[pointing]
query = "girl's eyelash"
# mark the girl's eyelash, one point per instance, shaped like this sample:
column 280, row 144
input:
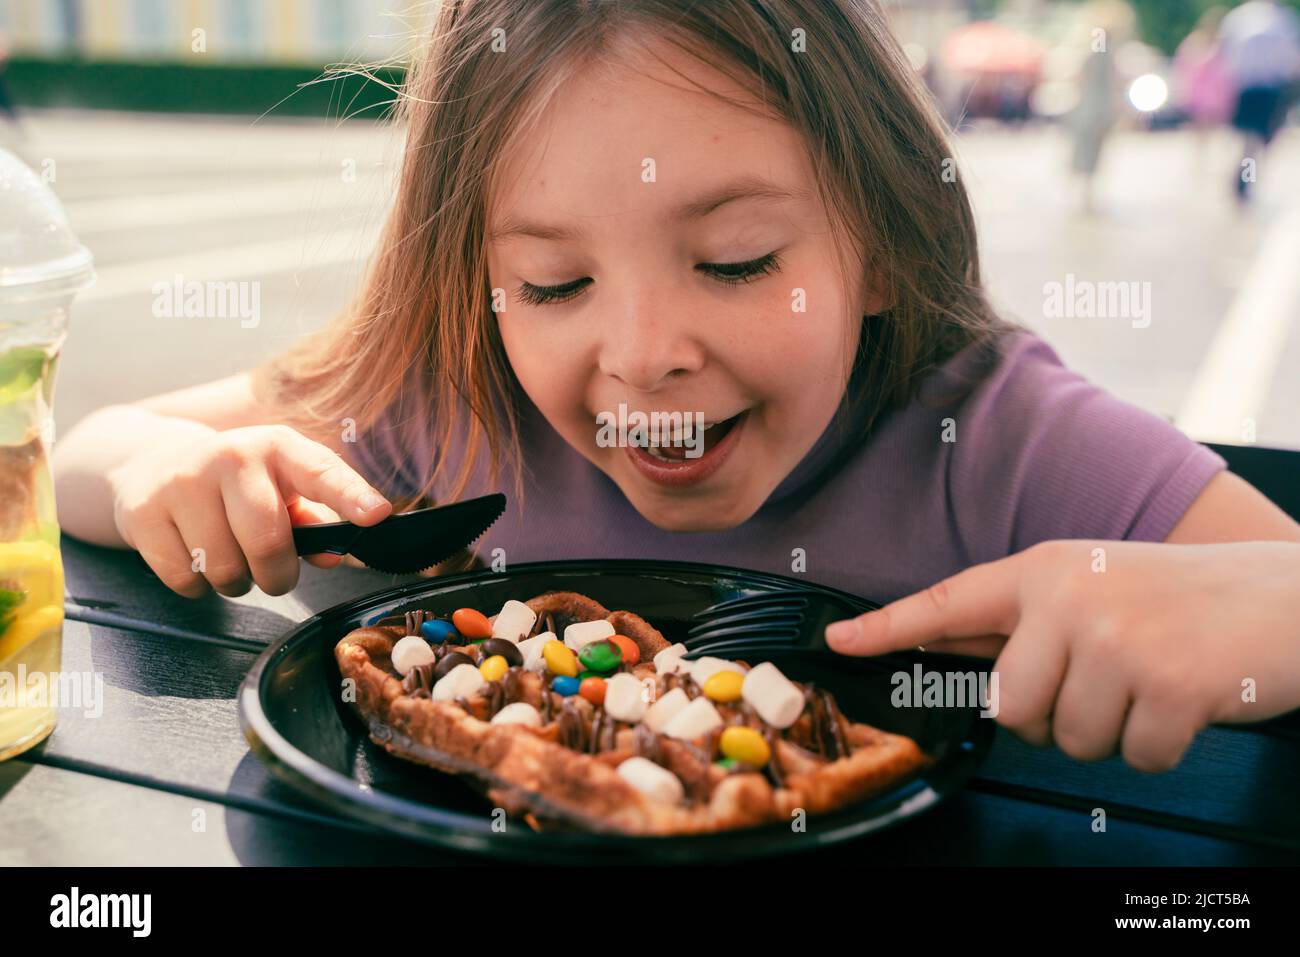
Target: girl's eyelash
column 541, row 295
column 729, row 273
column 733, row 273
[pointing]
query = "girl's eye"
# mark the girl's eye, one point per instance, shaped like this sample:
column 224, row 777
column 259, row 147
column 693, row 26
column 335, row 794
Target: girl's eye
column 733, row 273
column 730, row 273
column 541, row 295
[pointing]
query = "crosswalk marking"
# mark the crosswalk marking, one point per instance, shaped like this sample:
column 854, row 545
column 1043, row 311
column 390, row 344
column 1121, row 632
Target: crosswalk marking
column 1230, row 387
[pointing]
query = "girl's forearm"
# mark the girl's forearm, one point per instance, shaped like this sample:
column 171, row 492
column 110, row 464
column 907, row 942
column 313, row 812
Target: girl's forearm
column 84, row 459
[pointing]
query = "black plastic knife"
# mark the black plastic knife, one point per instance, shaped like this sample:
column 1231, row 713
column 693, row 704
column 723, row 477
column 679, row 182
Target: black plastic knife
column 408, row 542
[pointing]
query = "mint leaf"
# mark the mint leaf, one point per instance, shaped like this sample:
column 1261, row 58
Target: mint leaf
column 9, row 600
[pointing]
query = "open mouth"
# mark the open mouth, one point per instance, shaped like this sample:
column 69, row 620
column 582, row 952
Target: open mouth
column 676, row 447
column 669, row 463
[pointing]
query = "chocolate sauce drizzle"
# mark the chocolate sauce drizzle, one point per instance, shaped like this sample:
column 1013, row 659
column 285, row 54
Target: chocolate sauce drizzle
column 598, row 732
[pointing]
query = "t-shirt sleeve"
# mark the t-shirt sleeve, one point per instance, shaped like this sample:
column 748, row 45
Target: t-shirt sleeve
column 1041, row 454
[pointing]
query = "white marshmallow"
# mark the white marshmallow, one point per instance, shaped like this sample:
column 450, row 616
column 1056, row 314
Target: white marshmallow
column 670, row 661
column 461, row 682
column 656, row 783
column 774, row 696
column 531, row 648
column 697, row 718
column 623, row 698
column 521, row 712
column 703, row 669
column 582, row 633
column 513, row 621
column 409, row 652
column 664, row 709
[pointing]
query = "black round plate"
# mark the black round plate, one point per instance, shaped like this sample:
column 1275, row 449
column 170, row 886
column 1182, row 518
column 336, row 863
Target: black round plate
column 292, row 714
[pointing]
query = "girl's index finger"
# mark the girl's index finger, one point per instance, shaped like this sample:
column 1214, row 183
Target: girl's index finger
column 315, row 472
column 983, row 600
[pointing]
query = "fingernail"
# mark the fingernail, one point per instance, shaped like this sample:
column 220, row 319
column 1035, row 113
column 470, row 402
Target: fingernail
column 371, row 499
column 842, row 632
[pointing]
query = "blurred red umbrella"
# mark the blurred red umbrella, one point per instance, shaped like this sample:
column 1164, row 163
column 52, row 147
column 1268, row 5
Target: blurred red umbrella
column 989, row 47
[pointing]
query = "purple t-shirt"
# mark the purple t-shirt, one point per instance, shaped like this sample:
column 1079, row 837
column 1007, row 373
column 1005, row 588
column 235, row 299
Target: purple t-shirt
column 997, row 451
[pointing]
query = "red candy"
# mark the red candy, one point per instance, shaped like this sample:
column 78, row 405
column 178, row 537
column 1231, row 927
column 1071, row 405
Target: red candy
column 471, row 624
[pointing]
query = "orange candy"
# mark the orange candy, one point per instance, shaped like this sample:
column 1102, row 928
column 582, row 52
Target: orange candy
column 471, row 624
column 631, row 653
column 593, row 689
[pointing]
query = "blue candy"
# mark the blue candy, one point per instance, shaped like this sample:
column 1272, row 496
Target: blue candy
column 438, row 630
column 563, row 684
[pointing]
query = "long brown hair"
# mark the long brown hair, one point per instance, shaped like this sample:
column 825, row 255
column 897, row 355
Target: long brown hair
column 419, row 346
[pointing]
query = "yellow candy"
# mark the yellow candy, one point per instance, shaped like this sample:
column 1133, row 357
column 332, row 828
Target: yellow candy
column 559, row 659
column 25, row 628
column 723, row 686
column 744, row 744
column 494, row 668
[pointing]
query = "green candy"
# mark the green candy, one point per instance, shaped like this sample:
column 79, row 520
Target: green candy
column 601, row 656
column 727, row 764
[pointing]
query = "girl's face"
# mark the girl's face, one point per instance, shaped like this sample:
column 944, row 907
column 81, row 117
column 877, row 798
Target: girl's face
column 664, row 250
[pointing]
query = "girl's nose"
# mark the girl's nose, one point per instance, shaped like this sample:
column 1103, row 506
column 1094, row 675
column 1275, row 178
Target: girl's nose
column 650, row 342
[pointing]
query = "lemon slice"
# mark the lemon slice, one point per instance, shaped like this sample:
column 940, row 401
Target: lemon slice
column 35, row 569
column 24, row 629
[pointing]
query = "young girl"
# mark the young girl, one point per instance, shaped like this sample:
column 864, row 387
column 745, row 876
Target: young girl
column 743, row 213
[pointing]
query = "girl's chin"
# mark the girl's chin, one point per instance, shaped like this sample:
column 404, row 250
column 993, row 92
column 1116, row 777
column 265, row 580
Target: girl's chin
column 702, row 515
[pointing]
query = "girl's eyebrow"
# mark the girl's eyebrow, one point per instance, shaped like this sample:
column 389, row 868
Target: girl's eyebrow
column 747, row 187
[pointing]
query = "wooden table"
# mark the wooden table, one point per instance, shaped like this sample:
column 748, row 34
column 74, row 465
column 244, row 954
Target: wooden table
column 164, row 776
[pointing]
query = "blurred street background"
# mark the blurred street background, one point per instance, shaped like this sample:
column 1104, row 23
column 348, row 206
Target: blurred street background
column 1104, row 143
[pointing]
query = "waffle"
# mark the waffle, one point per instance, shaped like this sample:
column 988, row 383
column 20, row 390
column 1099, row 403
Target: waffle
column 566, row 770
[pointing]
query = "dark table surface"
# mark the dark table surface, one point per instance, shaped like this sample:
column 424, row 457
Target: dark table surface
column 164, row 776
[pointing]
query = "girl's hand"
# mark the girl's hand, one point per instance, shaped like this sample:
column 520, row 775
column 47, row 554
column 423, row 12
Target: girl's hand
column 1106, row 646
column 235, row 495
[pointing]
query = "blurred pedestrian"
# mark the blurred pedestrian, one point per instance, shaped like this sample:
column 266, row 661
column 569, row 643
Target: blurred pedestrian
column 1260, row 41
column 1204, row 87
column 1103, row 26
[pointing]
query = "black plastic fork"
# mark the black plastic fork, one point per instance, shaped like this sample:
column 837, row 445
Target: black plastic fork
column 792, row 619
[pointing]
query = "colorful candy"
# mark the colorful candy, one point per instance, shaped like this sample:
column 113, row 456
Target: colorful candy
column 593, row 689
column 471, row 623
column 505, row 648
column 631, row 653
column 494, row 668
column 409, row 652
column 566, row 685
column 744, row 744
column 602, row 655
column 560, row 660
column 438, row 630
column 723, row 686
